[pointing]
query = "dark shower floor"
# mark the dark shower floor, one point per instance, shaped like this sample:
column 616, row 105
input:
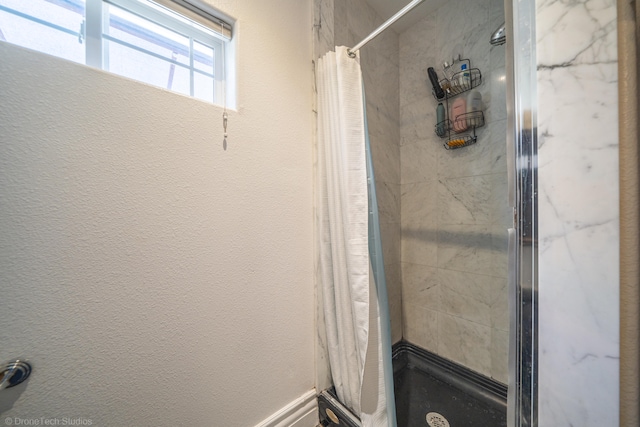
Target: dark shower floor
column 425, row 383
column 418, row 393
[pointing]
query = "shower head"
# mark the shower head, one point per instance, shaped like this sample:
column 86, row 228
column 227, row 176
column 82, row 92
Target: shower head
column 499, row 36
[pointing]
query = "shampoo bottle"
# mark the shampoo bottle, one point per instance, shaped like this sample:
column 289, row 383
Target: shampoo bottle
column 474, row 105
column 458, row 109
column 440, row 124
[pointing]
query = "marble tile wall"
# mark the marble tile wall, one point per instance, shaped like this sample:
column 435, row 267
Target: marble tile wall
column 346, row 22
column 454, row 211
column 578, row 283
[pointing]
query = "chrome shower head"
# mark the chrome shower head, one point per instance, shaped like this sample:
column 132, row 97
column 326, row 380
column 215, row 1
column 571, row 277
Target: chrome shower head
column 499, row 36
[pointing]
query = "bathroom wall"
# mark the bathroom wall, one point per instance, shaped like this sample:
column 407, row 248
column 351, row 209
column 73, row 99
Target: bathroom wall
column 152, row 276
column 345, row 23
column 578, row 213
column 454, row 202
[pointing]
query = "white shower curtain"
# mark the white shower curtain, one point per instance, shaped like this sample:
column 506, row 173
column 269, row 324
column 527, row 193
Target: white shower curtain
column 350, row 305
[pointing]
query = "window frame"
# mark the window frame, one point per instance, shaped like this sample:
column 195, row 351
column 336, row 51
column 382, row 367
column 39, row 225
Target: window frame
column 94, row 34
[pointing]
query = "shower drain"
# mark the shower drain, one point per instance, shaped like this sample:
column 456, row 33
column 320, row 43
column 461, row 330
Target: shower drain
column 436, row 420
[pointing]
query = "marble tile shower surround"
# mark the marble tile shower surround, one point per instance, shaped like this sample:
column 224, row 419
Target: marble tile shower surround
column 577, row 198
column 454, row 211
column 346, row 22
column 578, row 213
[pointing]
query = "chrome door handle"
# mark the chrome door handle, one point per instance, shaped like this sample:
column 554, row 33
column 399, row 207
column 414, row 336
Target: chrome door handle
column 13, row 373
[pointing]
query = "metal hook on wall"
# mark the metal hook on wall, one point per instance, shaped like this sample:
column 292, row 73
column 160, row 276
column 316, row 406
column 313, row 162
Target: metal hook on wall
column 225, row 119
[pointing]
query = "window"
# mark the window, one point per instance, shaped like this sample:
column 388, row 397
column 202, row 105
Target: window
column 140, row 39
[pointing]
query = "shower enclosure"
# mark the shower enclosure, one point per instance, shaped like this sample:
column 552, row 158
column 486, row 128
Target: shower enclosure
column 445, row 213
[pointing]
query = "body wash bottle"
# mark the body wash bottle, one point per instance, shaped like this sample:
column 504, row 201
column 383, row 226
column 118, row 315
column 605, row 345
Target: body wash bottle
column 458, row 109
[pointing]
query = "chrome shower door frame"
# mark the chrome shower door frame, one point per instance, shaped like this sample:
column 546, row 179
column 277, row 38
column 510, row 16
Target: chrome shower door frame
column 522, row 144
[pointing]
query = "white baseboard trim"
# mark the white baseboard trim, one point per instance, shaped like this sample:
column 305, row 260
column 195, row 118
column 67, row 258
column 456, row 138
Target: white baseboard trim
column 301, row 412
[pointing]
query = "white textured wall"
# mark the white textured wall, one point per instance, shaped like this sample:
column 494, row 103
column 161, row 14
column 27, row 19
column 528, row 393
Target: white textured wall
column 578, row 214
column 152, row 277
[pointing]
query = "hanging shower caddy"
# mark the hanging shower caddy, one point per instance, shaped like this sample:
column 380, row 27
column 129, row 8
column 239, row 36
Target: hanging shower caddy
column 459, row 131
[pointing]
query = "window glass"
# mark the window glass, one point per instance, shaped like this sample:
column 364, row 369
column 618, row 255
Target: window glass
column 203, row 87
column 141, row 66
column 203, row 57
column 51, row 27
column 129, row 29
